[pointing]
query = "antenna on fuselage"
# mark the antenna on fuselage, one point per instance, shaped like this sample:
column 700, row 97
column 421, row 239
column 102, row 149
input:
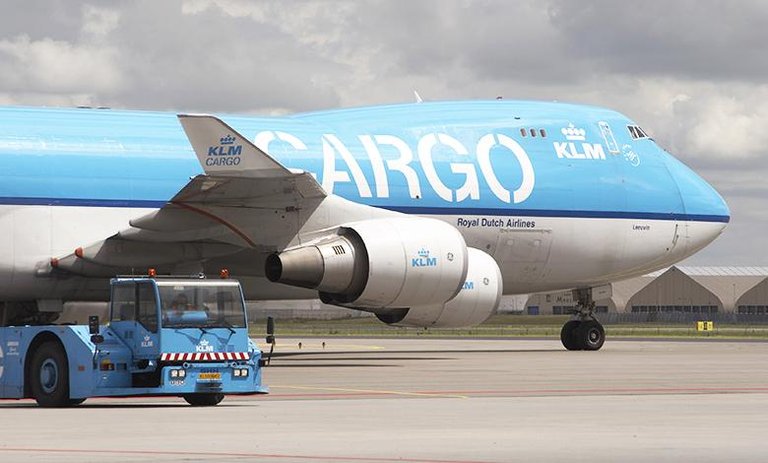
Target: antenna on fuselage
column 419, row 99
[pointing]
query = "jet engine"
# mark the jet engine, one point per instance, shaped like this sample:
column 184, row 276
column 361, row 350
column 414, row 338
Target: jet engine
column 378, row 263
column 478, row 299
column 410, row 271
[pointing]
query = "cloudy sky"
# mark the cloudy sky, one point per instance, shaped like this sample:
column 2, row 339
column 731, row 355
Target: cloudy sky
column 694, row 74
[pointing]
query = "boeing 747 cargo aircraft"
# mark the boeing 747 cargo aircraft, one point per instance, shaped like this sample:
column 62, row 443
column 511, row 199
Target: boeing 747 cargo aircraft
column 424, row 214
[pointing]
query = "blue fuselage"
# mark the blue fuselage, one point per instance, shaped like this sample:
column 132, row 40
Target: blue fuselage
column 489, row 158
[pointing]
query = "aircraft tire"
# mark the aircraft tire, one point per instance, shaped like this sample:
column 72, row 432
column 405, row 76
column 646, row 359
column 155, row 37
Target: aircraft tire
column 49, row 376
column 568, row 335
column 203, row 400
column 590, row 335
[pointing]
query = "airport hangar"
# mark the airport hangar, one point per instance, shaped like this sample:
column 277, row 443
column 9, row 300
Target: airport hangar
column 677, row 290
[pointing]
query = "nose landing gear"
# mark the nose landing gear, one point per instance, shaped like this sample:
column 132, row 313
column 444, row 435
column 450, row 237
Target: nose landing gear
column 584, row 332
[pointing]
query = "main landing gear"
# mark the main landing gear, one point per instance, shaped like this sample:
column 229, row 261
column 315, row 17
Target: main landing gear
column 584, row 332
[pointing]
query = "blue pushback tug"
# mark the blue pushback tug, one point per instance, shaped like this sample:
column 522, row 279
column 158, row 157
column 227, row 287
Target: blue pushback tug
column 184, row 337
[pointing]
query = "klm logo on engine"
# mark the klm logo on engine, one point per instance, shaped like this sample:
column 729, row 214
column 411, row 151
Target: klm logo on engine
column 226, row 153
column 423, row 259
column 576, row 147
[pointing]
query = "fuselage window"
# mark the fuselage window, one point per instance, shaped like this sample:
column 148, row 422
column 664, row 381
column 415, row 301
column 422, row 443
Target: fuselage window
column 533, row 133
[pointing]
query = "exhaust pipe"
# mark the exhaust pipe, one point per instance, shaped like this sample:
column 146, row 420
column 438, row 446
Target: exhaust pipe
column 335, row 266
column 302, row 267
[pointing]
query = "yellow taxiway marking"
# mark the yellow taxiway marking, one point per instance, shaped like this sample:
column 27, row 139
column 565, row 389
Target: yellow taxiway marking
column 371, row 391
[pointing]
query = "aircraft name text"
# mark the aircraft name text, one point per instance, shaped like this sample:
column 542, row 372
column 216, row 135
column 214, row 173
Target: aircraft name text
column 494, row 222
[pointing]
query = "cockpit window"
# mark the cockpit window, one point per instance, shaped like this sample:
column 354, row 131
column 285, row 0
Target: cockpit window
column 636, row 132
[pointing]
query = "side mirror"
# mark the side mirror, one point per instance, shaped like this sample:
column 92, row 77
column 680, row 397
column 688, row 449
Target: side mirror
column 93, row 329
column 93, row 324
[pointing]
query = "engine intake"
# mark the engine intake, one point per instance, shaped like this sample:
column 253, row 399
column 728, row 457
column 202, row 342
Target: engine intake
column 478, row 299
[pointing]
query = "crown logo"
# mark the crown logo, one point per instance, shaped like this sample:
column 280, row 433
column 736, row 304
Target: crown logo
column 423, row 253
column 573, row 134
column 228, row 140
column 204, row 346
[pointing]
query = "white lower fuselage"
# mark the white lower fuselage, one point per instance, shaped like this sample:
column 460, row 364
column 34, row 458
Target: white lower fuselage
column 534, row 253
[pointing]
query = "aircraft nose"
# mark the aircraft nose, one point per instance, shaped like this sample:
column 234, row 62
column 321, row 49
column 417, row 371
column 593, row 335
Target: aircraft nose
column 706, row 212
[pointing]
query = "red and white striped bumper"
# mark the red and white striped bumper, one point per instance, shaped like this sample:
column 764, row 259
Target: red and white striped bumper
column 203, row 356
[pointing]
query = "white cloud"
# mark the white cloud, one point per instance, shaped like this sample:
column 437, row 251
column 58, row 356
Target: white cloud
column 99, row 21
column 728, row 127
column 52, row 66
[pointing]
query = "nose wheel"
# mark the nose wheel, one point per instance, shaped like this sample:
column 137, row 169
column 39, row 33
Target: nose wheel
column 584, row 332
column 582, row 335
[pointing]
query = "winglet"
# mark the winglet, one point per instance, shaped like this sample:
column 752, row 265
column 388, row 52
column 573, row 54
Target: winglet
column 222, row 150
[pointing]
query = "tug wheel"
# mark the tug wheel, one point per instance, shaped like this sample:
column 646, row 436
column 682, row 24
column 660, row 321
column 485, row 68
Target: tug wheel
column 203, row 400
column 49, row 376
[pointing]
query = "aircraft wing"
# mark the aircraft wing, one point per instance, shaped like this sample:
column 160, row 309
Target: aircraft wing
column 245, row 202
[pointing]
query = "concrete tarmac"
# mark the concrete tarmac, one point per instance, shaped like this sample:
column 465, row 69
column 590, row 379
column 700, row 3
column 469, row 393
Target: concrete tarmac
column 436, row 401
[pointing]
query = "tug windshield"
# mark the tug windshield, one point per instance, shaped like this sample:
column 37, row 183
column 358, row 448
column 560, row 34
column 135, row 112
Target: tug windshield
column 201, row 304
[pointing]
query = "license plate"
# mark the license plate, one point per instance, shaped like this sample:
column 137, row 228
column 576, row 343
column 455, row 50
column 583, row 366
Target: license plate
column 216, row 375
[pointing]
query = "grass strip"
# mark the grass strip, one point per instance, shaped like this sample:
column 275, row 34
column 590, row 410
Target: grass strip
column 500, row 326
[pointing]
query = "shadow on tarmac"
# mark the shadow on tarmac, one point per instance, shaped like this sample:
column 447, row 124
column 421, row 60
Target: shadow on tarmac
column 331, row 365
column 453, row 351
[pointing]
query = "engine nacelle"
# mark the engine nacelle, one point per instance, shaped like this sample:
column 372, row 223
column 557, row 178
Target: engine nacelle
column 478, row 299
column 378, row 263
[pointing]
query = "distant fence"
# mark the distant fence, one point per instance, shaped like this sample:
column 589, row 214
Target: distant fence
column 615, row 318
